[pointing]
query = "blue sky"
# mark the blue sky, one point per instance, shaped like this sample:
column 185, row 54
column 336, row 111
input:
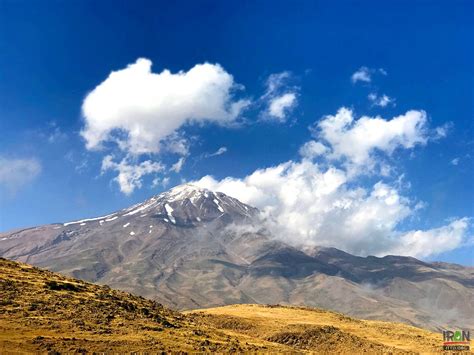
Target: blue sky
column 418, row 54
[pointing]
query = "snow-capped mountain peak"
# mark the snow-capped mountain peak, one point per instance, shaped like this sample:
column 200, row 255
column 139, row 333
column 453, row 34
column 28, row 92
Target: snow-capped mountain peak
column 186, row 191
column 182, row 205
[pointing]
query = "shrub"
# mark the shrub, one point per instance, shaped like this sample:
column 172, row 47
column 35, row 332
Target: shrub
column 59, row 286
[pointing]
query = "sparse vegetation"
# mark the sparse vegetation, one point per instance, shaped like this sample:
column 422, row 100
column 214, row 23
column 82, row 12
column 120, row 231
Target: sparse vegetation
column 41, row 311
column 66, row 286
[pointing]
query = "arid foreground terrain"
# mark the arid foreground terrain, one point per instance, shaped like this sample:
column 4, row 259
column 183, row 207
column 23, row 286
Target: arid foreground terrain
column 46, row 312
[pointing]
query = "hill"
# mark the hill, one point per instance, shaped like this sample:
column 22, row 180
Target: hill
column 44, row 311
column 41, row 311
column 311, row 329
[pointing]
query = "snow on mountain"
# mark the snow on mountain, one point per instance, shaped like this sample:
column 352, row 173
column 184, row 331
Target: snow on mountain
column 183, row 204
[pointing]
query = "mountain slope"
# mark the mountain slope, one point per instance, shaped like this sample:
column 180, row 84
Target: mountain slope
column 194, row 248
column 41, row 311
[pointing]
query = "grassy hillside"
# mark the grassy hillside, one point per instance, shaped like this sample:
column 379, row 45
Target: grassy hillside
column 314, row 329
column 46, row 312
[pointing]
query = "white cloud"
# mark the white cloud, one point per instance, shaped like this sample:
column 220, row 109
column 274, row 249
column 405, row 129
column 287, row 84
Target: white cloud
column 425, row 243
column 381, row 101
column 276, row 81
column 220, row 151
column 372, row 96
column 176, row 167
column 362, row 74
column 442, row 131
column 384, row 100
column 279, row 98
column 16, row 173
column 138, row 109
column 130, row 175
column 307, row 204
column 140, row 113
column 357, row 141
column 455, row 161
column 163, row 182
column 176, row 143
column 312, row 149
column 55, row 134
column 281, row 105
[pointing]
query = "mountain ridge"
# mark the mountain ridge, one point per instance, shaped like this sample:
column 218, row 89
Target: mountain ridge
column 191, row 248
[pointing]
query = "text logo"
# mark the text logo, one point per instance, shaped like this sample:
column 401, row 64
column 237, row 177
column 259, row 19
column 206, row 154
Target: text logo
column 456, row 340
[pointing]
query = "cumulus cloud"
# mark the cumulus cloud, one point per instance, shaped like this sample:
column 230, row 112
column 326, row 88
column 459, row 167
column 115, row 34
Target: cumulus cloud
column 279, row 98
column 306, row 206
column 306, row 203
column 137, row 113
column 138, row 109
column 16, row 173
column 357, row 141
column 425, row 243
column 381, row 101
column 130, row 175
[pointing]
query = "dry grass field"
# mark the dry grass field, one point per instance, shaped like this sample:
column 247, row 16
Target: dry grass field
column 309, row 329
column 41, row 311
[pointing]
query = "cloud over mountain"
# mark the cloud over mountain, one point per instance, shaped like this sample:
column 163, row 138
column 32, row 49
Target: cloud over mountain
column 323, row 202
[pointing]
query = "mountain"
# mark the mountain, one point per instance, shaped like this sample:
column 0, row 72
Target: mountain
column 191, row 248
column 44, row 312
